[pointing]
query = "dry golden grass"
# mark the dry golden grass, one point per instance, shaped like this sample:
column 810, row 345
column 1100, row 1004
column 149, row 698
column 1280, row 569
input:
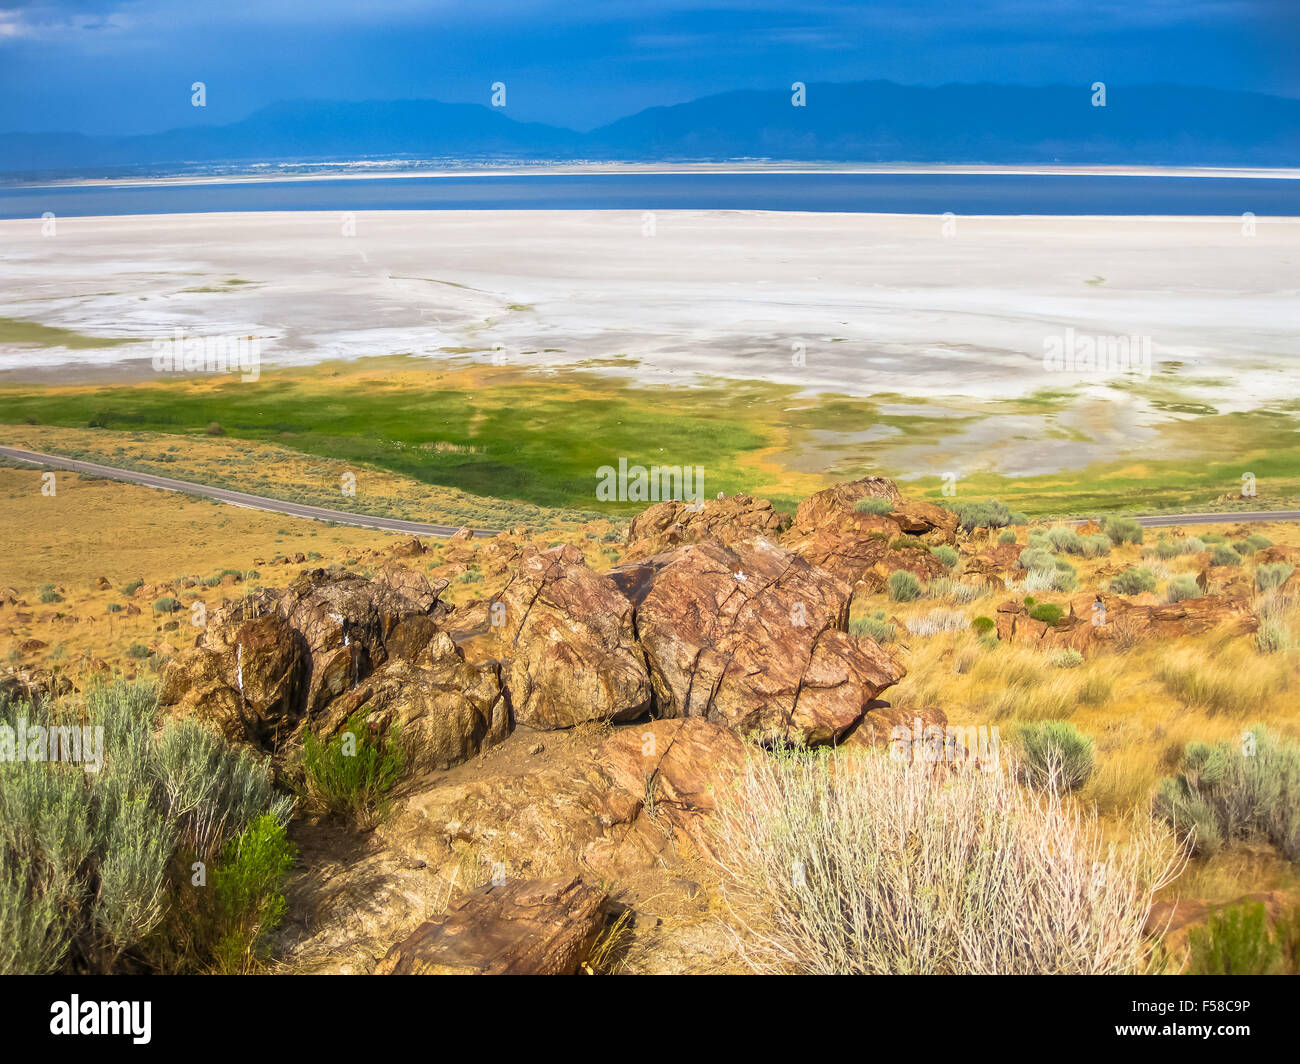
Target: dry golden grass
column 283, row 473
column 1141, row 705
column 92, row 528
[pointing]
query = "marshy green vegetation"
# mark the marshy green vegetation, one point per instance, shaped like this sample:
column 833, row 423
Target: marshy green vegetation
column 540, row 437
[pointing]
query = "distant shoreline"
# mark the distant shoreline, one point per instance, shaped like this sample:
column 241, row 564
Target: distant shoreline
column 347, row 171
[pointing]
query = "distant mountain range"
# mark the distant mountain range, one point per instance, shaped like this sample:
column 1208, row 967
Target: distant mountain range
column 871, row 121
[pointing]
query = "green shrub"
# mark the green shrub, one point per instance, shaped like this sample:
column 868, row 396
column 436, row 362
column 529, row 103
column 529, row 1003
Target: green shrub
column 1272, row 636
column 138, row 650
column 1257, row 542
column 946, row 554
column 166, row 604
column 1133, row 581
column 249, row 888
column 1182, row 587
column 354, row 772
column 1017, row 518
column 873, row 505
column 94, row 863
column 49, row 595
column 1224, row 555
column 1065, row 577
column 907, row 543
column 1122, row 529
column 1057, row 755
column 1007, row 537
column 1272, row 575
column 114, row 607
column 1098, row 545
column 880, row 631
column 1169, row 548
column 1046, row 612
column 1246, row 790
column 1234, row 941
column 983, row 625
column 903, row 586
column 1068, row 540
column 988, row 514
column 1035, row 558
column 133, row 587
column 1213, row 537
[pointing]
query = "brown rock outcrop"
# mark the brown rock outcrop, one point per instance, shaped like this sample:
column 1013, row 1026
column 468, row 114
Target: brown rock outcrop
column 447, row 709
column 833, row 507
column 863, row 560
column 860, row 548
column 266, row 662
column 728, row 519
column 677, row 767
column 242, row 677
column 752, row 637
column 1107, row 618
column 519, row 927
column 568, row 644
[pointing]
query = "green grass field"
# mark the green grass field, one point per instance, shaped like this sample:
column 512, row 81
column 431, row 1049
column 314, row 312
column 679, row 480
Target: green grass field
column 540, row 437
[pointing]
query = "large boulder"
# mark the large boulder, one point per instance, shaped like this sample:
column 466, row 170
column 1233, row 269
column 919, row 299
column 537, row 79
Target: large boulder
column 518, row 927
column 242, row 675
column 446, row 709
column 265, row 662
column 753, row 638
column 567, row 643
column 344, row 622
column 833, row 508
column 863, row 549
column 994, row 565
column 727, row 519
column 864, row 560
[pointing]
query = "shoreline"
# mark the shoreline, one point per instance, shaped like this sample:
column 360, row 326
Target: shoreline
column 346, row 171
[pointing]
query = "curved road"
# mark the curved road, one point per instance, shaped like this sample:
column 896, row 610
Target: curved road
column 236, row 498
column 342, row 517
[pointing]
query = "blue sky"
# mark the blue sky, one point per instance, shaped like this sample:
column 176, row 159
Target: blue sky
column 125, row 66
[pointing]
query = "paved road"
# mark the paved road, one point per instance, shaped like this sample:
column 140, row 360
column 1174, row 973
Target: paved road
column 294, row 509
column 1164, row 520
column 236, row 498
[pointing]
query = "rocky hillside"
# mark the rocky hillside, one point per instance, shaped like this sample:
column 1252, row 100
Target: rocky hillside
column 568, row 731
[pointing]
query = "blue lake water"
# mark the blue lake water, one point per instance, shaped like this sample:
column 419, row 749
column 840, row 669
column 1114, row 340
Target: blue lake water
column 893, row 193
